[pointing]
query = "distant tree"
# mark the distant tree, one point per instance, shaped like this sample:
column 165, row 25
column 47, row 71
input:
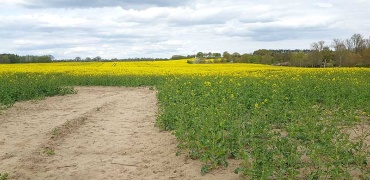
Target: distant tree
column 252, row 58
column 262, row 52
column 327, row 55
column 366, row 53
column 318, row 46
column 297, row 59
column 216, row 55
column 286, row 57
column 77, row 58
column 235, row 57
column 366, row 57
column 236, row 54
column 311, row 59
column 340, row 51
column 226, row 56
column 245, row 58
column 43, row 59
column 10, row 58
column 88, row 59
column 14, row 58
column 353, row 59
column 52, row 58
column 267, row 59
column 4, row 58
column 316, row 54
column 97, row 58
column 200, row 55
column 278, row 57
column 356, row 43
column 367, row 42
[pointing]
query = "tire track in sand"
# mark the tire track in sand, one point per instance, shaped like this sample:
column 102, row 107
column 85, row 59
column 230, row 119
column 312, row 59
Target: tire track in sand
column 113, row 138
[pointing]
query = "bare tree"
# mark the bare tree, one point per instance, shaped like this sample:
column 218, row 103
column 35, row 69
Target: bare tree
column 349, row 45
column 356, row 43
column 316, row 54
column 340, row 50
column 318, row 46
column 367, row 42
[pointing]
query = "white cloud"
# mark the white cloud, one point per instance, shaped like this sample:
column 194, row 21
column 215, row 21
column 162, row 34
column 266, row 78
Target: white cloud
column 324, row 5
column 111, row 29
column 79, row 49
column 100, row 3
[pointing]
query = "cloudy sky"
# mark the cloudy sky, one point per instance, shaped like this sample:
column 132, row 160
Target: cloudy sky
column 162, row 28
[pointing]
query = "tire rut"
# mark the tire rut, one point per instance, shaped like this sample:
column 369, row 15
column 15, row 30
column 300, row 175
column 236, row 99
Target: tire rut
column 98, row 133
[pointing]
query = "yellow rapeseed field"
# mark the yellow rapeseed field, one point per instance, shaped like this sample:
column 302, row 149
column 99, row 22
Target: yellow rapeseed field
column 165, row 68
column 179, row 67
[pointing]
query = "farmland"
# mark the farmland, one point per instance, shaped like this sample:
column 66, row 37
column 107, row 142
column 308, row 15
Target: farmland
column 280, row 122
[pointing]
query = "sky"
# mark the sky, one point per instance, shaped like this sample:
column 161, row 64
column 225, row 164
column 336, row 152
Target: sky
column 161, row 28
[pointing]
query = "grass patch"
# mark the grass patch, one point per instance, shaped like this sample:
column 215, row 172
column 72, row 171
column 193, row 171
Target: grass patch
column 4, row 176
column 48, row 151
column 24, row 86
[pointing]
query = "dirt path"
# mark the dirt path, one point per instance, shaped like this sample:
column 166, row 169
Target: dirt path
column 98, row 133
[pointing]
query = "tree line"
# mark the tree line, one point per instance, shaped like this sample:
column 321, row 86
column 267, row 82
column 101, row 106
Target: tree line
column 13, row 58
column 99, row 59
column 354, row 51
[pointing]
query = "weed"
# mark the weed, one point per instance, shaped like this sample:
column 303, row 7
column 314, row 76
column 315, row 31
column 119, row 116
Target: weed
column 4, row 176
column 49, row 151
column 55, row 133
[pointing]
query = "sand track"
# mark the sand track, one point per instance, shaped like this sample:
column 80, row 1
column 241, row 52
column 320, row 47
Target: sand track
column 98, row 133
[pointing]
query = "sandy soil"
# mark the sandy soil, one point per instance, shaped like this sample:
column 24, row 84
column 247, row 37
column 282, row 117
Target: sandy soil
column 98, row 133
